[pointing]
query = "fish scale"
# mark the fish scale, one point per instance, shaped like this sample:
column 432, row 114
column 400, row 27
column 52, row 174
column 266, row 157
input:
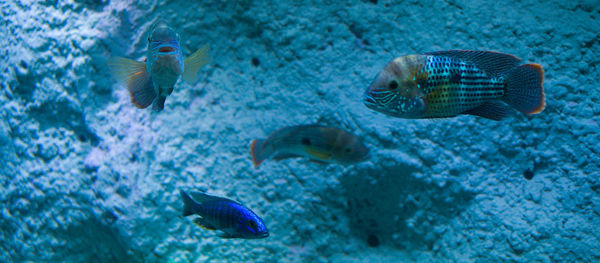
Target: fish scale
column 454, row 86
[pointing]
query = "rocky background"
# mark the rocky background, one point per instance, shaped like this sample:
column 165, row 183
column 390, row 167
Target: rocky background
column 87, row 177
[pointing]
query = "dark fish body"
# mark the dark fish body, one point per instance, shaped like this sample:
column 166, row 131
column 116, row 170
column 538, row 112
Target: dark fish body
column 321, row 143
column 449, row 83
column 228, row 216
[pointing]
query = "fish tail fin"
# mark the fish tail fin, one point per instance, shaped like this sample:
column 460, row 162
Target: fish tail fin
column 134, row 75
column 524, row 90
column 194, row 62
column 256, row 151
column 188, row 203
column 159, row 103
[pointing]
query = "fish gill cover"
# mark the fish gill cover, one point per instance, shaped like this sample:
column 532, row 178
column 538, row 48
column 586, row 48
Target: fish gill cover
column 88, row 177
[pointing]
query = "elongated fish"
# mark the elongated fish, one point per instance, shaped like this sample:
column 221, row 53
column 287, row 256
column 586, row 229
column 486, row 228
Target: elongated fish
column 449, row 83
column 327, row 144
column 217, row 213
column 151, row 82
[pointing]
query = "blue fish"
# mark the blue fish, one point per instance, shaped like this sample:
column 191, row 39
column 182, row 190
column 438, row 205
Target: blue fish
column 151, row 82
column 230, row 217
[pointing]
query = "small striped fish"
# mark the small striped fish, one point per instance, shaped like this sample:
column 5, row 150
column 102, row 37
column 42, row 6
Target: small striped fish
column 449, row 83
column 320, row 143
column 217, row 213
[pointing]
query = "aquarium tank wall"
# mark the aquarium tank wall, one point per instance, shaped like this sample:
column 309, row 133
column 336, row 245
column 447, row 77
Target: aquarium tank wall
column 87, row 176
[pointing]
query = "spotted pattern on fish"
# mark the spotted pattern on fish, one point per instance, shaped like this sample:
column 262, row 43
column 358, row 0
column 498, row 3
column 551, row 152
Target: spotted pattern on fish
column 448, row 83
column 454, row 86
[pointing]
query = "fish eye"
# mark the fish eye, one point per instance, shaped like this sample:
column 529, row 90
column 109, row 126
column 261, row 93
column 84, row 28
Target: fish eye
column 252, row 224
column 393, row 85
column 348, row 150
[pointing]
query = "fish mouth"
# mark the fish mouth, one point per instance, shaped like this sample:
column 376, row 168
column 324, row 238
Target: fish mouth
column 260, row 235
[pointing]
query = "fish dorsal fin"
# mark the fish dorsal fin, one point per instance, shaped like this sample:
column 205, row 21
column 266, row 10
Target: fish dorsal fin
column 493, row 63
column 202, row 197
column 493, row 110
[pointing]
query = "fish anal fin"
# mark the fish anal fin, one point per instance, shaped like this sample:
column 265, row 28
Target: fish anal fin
column 199, row 221
column 493, row 63
column 281, row 156
column 493, row 110
column 318, row 161
column 194, row 62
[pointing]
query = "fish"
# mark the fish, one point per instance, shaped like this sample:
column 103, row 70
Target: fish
column 319, row 143
column 446, row 84
column 151, row 81
column 231, row 218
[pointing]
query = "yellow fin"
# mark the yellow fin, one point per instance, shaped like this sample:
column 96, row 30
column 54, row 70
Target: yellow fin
column 193, row 63
column 125, row 69
column 319, row 154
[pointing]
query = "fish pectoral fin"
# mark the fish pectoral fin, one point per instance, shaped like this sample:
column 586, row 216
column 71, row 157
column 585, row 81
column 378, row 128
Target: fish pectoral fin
column 134, row 75
column 226, row 234
column 194, row 62
column 201, row 222
column 493, row 110
column 317, row 153
column 123, row 69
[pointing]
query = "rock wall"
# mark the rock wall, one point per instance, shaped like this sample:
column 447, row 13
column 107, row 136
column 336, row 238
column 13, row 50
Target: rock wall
column 87, row 177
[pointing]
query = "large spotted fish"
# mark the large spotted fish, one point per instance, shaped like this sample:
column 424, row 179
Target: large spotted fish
column 150, row 82
column 449, row 83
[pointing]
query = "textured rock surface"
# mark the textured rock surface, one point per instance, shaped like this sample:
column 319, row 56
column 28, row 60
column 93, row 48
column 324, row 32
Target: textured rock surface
column 86, row 177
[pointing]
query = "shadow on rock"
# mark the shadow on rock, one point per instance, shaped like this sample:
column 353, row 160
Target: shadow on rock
column 66, row 114
column 95, row 240
column 391, row 206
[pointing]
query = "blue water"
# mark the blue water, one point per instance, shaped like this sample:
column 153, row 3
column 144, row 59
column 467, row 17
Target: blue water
column 88, row 177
